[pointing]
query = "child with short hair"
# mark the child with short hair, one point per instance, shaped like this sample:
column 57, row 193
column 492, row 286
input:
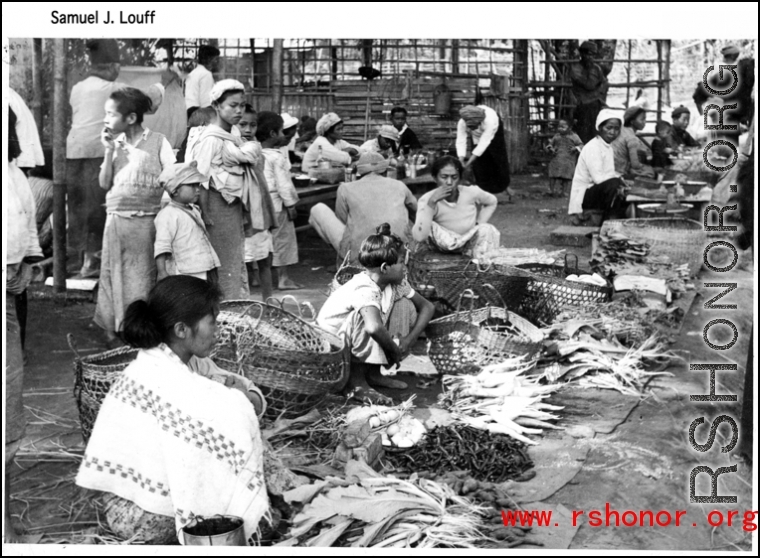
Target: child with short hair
column 662, row 145
column 565, row 145
column 134, row 159
column 379, row 312
column 259, row 248
column 182, row 245
column 284, row 197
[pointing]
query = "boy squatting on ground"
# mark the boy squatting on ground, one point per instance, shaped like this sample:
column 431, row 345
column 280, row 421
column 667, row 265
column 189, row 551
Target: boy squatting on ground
column 372, row 309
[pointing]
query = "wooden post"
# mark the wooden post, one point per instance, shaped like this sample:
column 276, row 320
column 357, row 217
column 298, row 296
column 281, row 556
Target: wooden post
column 518, row 109
column 333, row 62
column 253, row 65
column 659, row 79
column 59, row 166
column 628, row 77
column 37, row 89
column 454, row 56
column 277, row 76
column 666, row 71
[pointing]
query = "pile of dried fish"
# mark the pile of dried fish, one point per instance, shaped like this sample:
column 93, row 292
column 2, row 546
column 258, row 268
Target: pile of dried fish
column 369, row 510
column 484, row 456
column 517, row 256
column 616, row 254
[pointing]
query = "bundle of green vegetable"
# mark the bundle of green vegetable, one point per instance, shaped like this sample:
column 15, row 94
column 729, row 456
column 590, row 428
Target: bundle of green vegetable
column 499, row 399
column 607, row 364
column 369, row 510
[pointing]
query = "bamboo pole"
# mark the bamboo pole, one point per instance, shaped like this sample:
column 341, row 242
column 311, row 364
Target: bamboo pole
column 277, row 76
column 37, row 89
column 666, row 71
column 628, row 77
column 59, row 166
column 659, row 79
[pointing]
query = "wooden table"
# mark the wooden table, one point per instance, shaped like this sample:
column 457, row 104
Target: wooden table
column 700, row 202
column 420, row 185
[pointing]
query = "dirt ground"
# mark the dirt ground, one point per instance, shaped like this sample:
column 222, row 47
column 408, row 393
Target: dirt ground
column 643, row 463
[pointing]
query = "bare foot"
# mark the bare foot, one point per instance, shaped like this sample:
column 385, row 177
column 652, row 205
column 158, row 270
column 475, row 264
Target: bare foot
column 378, row 380
column 371, row 397
column 288, row 285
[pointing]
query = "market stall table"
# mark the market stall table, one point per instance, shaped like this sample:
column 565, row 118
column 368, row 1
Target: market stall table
column 700, row 200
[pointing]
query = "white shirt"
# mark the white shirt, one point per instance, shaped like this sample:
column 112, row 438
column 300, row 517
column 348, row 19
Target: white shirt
column 20, row 218
column 26, row 130
column 198, row 86
column 481, row 136
column 595, row 165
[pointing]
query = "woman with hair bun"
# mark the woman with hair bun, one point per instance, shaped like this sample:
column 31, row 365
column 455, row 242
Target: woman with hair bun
column 134, row 159
column 176, row 436
column 379, row 312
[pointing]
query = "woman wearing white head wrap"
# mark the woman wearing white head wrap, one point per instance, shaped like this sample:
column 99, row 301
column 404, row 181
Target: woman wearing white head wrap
column 330, row 142
column 385, row 143
column 235, row 202
column 596, row 184
column 488, row 160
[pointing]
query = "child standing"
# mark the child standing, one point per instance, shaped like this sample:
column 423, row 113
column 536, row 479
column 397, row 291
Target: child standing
column 134, row 159
column 565, row 145
column 284, row 197
column 259, row 248
column 380, row 313
column 182, row 246
column 234, row 202
column 663, row 145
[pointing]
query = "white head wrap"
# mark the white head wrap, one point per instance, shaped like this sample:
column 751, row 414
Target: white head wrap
column 225, row 85
column 326, row 122
column 607, row 114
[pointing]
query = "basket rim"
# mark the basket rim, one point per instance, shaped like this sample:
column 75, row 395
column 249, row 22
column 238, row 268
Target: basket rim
column 531, row 333
column 335, row 341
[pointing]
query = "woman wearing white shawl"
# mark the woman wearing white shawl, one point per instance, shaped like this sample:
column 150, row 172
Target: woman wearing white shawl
column 176, row 436
column 235, row 202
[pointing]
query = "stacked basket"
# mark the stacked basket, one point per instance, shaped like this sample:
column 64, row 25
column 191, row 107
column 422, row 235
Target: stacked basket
column 94, row 376
column 444, row 277
column 681, row 240
column 295, row 364
column 464, row 342
column 549, row 292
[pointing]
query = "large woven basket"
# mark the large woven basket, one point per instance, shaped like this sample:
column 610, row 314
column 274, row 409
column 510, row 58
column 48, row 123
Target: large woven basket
column 681, row 240
column 464, row 342
column 295, row 364
column 93, row 377
column 549, row 293
column 344, row 274
column 444, row 277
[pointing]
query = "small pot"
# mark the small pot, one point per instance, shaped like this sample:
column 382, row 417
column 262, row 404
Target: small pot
column 235, row 536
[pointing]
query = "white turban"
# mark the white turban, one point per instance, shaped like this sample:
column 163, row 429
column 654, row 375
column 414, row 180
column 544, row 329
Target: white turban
column 220, row 87
column 608, row 114
column 326, row 122
column 288, row 121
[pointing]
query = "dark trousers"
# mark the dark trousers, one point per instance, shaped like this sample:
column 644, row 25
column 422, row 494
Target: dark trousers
column 85, row 205
column 585, row 120
column 606, row 197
